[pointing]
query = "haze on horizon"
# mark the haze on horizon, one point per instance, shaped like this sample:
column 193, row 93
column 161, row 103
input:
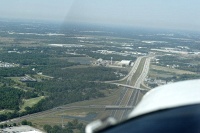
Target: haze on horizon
column 171, row 14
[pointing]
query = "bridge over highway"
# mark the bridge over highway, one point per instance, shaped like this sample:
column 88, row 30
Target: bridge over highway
column 131, row 93
column 106, row 107
column 129, row 86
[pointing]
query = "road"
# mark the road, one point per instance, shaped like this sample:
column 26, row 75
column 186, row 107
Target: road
column 128, row 99
column 129, row 86
column 130, row 74
column 131, row 94
column 64, row 108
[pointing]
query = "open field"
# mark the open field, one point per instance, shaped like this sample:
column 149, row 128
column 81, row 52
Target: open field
column 17, row 80
column 30, row 102
column 5, row 111
column 171, row 70
column 81, row 60
column 55, row 117
column 6, row 40
column 165, row 72
column 41, row 76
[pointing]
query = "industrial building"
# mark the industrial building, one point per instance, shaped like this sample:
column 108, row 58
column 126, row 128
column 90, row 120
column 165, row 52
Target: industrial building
column 125, row 63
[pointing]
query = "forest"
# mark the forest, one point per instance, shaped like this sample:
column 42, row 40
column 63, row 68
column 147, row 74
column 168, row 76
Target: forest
column 67, row 84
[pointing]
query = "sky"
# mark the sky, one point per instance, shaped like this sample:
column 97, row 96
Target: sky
column 172, row 14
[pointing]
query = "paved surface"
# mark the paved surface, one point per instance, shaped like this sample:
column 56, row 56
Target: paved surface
column 20, row 129
column 131, row 94
column 129, row 86
column 129, row 97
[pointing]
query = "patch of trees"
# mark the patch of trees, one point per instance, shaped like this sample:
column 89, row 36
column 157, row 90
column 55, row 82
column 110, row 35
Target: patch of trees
column 180, row 77
column 153, row 85
column 25, row 122
column 172, row 60
column 5, row 82
column 11, row 98
column 9, row 115
column 183, row 77
column 183, row 63
column 193, row 68
column 62, row 92
column 87, row 74
column 69, row 85
column 106, row 56
column 15, row 71
column 68, row 128
column 35, row 59
column 24, row 58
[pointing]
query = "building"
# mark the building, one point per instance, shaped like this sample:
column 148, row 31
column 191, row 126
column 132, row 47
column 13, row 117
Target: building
column 125, row 63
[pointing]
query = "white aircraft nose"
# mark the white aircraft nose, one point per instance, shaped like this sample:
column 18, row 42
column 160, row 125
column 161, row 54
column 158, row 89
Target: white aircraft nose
column 169, row 96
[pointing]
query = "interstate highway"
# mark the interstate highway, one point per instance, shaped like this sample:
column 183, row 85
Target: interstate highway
column 130, row 96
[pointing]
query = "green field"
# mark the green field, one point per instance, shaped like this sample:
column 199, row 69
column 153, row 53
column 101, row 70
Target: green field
column 170, row 70
column 5, row 111
column 30, row 102
column 55, row 118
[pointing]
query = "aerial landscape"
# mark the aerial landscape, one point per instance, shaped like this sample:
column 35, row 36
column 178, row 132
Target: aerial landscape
column 58, row 77
column 52, row 76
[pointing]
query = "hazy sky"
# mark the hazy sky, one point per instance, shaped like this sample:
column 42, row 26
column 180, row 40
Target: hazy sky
column 180, row 14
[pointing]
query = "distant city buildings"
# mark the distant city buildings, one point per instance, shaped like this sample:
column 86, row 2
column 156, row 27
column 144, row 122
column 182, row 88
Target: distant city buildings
column 27, row 78
column 123, row 53
column 125, row 63
column 8, row 65
column 183, row 50
column 122, row 63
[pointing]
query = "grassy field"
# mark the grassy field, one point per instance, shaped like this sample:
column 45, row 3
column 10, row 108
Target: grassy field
column 55, row 118
column 5, row 111
column 81, row 60
column 171, row 70
column 17, row 81
column 41, row 77
column 30, row 102
column 165, row 72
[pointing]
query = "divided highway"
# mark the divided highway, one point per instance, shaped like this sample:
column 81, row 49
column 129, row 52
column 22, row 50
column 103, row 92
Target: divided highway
column 131, row 94
column 128, row 99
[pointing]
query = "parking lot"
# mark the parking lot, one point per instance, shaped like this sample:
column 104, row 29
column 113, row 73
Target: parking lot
column 20, row 129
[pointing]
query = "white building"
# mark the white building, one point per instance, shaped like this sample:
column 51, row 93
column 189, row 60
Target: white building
column 125, row 62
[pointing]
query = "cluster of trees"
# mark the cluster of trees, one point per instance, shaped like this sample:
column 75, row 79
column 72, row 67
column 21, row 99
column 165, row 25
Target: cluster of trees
column 35, row 59
column 24, row 122
column 62, row 92
column 87, row 74
column 6, row 82
column 104, row 56
column 183, row 63
column 68, row 128
column 176, row 78
column 68, row 85
column 171, row 60
column 11, row 98
column 182, row 77
column 15, row 71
